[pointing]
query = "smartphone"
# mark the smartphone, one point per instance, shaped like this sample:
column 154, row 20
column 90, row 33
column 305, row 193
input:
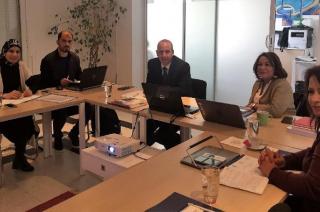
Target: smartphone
column 287, row 120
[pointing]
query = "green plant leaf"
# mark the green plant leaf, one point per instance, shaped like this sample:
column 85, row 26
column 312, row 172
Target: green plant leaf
column 91, row 22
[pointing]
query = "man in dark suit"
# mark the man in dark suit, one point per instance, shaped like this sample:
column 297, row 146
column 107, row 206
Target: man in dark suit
column 167, row 69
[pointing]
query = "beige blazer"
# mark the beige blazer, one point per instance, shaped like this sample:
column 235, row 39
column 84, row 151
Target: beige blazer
column 278, row 98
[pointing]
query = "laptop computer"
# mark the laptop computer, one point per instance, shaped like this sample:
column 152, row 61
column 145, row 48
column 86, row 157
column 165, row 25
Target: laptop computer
column 222, row 113
column 89, row 78
column 166, row 99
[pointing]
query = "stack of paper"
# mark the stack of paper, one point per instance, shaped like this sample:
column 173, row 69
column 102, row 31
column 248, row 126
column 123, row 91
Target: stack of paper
column 302, row 126
column 56, row 98
column 244, row 174
column 20, row 100
column 130, row 100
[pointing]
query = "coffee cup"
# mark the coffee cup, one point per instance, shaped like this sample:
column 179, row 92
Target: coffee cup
column 263, row 117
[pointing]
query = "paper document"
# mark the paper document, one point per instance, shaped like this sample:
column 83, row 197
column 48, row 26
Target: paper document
column 244, row 174
column 56, row 98
column 19, row 101
column 234, row 142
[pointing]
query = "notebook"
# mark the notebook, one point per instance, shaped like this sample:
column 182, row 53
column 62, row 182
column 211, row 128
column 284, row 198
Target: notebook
column 179, row 202
column 89, row 78
column 166, row 99
column 222, row 113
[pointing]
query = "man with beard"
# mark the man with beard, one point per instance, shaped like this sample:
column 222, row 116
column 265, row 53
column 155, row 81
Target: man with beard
column 58, row 69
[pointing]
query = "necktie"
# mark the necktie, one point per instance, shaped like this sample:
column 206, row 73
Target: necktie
column 164, row 75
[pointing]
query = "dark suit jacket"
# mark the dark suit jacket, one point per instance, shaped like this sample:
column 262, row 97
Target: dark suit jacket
column 51, row 75
column 179, row 74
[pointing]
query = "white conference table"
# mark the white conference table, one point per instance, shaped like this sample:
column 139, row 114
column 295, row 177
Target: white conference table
column 45, row 108
column 98, row 98
column 274, row 132
column 148, row 183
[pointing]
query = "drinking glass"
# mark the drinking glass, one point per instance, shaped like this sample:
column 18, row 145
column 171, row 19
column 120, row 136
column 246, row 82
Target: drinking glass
column 252, row 132
column 107, row 90
column 210, row 184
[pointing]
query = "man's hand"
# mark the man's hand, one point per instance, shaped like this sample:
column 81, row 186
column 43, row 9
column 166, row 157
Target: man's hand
column 65, row 81
column 12, row 95
column 27, row 93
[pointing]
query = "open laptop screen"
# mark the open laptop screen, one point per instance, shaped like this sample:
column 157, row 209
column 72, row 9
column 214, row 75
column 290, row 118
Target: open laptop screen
column 90, row 78
column 164, row 98
column 222, row 113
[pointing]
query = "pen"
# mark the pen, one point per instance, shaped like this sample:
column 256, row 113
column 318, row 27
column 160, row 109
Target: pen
column 199, row 207
column 201, row 141
column 238, row 157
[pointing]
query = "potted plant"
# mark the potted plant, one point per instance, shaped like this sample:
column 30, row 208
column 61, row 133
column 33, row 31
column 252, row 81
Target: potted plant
column 92, row 23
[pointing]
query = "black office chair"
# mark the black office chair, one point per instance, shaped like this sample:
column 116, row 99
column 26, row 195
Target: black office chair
column 199, row 88
column 300, row 99
column 34, row 83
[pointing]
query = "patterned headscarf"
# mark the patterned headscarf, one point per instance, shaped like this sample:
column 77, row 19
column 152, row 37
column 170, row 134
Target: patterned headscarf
column 8, row 44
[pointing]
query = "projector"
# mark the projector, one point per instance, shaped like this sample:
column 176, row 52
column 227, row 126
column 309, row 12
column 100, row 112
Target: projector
column 117, row 145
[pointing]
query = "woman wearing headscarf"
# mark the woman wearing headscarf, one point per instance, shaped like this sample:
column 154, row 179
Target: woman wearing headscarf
column 13, row 74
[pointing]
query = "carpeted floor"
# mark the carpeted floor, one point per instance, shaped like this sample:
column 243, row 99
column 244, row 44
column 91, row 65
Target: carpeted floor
column 54, row 201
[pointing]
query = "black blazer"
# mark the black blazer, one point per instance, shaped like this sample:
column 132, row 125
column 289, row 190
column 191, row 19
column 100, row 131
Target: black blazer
column 51, row 74
column 179, row 74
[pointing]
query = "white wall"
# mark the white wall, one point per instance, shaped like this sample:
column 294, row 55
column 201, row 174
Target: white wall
column 9, row 20
column 242, row 28
column 37, row 17
column 200, row 37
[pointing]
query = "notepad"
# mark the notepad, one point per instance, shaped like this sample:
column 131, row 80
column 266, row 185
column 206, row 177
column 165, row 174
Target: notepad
column 20, row 100
column 56, row 98
column 178, row 202
column 234, row 142
column 244, row 174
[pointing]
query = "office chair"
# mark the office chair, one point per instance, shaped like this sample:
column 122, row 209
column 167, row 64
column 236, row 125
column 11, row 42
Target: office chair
column 34, row 82
column 300, row 100
column 199, row 88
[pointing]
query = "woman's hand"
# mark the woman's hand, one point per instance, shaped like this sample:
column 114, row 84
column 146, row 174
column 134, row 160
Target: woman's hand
column 12, row 95
column 269, row 160
column 252, row 105
column 27, row 93
column 274, row 156
column 266, row 165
